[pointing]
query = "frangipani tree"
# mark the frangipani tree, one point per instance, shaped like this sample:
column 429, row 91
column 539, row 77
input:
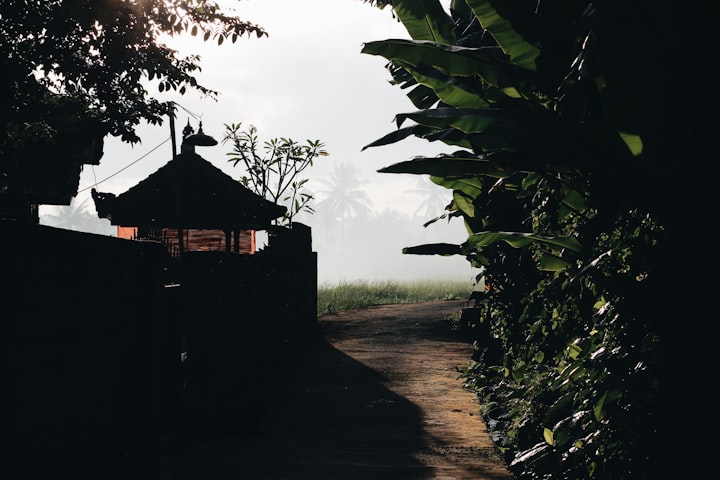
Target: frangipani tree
column 274, row 173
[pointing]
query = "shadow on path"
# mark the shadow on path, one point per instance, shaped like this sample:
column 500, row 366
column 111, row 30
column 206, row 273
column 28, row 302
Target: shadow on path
column 328, row 417
column 375, row 396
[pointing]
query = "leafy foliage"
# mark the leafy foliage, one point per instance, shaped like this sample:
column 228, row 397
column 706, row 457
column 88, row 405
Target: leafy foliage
column 274, row 175
column 561, row 169
column 75, row 71
column 99, row 52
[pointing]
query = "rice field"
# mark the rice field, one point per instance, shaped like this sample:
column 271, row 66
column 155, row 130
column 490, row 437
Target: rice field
column 360, row 294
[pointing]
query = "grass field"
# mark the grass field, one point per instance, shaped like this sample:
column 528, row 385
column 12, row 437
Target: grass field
column 359, row 294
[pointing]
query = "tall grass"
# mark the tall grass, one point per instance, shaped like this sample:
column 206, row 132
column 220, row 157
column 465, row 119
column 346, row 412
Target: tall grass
column 360, row 294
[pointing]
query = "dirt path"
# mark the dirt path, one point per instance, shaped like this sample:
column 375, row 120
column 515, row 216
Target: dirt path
column 379, row 399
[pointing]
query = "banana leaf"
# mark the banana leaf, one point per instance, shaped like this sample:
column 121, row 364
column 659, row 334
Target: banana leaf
column 520, row 51
column 422, row 96
column 470, row 120
column 400, row 134
column 520, row 240
column 482, row 62
column 457, row 164
column 433, row 249
column 472, row 187
column 425, row 20
column 553, row 263
column 455, row 91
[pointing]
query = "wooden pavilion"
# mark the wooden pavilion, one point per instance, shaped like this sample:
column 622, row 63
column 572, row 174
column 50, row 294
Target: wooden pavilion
column 190, row 204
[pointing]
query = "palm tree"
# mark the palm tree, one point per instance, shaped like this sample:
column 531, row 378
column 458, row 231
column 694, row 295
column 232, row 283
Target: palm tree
column 342, row 197
column 77, row 216
column 434, row 198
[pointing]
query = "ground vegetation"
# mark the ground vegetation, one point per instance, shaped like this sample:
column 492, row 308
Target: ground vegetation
column 362, row 293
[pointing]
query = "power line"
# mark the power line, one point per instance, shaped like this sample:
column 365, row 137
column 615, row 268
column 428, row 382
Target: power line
column 96, row 183
column 125, row 167
column 14, row 211
column 194, row 115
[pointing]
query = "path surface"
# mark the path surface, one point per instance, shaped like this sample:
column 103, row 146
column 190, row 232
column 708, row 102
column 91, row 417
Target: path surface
column 379, row 399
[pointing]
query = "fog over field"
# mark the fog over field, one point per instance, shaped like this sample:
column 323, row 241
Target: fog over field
column 348, row 249
column 307, row 80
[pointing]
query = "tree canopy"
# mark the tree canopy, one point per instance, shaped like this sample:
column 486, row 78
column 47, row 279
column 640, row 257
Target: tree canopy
column 75, row 71
column 99, row 52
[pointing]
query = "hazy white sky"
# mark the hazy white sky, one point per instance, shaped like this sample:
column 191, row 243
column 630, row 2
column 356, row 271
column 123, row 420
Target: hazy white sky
column 307, row 80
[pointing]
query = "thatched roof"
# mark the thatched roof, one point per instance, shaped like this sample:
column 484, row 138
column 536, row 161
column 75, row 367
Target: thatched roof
column 188, row 192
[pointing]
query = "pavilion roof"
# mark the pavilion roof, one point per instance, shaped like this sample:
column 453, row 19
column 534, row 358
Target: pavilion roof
column 188, row 192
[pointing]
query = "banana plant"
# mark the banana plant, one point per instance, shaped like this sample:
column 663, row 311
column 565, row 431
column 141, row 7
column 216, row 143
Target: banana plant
column 550, row 166
column 488, row 80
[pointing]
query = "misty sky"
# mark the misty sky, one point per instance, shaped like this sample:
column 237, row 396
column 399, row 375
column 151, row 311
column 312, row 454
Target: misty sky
column 307, row 80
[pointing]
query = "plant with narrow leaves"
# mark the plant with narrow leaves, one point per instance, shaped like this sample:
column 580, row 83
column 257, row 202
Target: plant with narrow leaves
column 274, row 172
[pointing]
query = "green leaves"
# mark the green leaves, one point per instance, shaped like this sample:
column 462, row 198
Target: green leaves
column 548, row 436
column 274, row 172
column 425, row 20
column 444, row 249
column 520, row 51
column 467, row 120
column 608, row 398
column 520, row 240
column 458, row 164
column 476, row 243
column 541, row 106
column 482, row 62
column 100, row 51
column 553, row 263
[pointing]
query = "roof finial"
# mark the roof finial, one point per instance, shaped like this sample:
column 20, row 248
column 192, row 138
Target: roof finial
column 200, row 139
column 188, row 130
